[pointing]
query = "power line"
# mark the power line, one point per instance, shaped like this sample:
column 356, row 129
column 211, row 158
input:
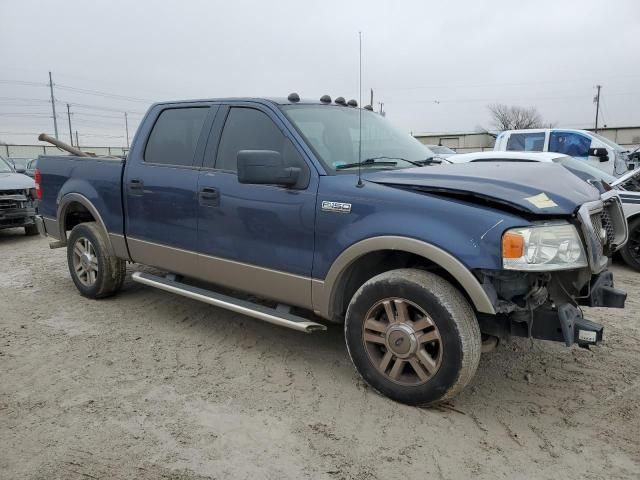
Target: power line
column 103, row 94
column 106, row 109
column 510, row 84
column 24, row 83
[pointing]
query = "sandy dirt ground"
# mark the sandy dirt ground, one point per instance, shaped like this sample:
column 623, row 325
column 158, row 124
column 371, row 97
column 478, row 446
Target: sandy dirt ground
column 148, row 385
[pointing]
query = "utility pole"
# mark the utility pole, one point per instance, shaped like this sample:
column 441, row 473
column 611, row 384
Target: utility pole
column 77, row 142
column 371, row 102
column 597, row 100
column 69, row 118
column 53, row 106
column 126, row 128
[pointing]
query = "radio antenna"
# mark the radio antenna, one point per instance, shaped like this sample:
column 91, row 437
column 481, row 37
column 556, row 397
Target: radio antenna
column 360, row 184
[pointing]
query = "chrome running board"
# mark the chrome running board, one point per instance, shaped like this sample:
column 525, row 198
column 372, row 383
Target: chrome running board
column 261, row 312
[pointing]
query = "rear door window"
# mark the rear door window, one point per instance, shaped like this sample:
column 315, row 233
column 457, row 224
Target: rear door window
column 175, row 135
column 526, row 142
column 569, row 143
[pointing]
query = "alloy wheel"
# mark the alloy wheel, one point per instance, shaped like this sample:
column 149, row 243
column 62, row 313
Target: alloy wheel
column 402, row 341
column 85, row 261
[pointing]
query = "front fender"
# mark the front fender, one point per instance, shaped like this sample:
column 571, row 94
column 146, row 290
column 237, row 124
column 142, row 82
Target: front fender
column 323, row 291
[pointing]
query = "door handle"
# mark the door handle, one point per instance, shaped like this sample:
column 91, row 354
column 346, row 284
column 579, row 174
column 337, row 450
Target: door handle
column 136, row 186
column 209, row 196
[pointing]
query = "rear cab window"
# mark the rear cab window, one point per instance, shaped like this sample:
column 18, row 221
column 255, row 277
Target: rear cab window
column 174, row 137
column 526, row 142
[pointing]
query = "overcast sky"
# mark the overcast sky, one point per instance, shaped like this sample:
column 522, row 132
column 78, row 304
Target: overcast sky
column 435, row 65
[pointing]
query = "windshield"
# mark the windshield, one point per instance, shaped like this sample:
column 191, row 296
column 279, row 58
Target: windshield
column 20, row 162
column 333, row 134
column 441, row 150
column 584, row 170
column 4, row 166
column 608, row 142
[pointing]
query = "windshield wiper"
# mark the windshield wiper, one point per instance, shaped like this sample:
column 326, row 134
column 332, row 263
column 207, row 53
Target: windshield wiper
column 375, row 161
column 429, row 161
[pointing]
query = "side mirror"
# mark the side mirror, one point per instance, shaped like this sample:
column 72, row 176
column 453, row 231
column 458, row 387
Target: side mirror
column 20, row 169
column 265, row 167
column 600, row 152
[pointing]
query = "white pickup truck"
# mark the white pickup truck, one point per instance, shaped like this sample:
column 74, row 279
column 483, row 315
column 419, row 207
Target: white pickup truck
column 593, row 148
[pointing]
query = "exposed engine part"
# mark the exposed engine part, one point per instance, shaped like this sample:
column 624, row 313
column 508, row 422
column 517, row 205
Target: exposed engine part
column 516, row 291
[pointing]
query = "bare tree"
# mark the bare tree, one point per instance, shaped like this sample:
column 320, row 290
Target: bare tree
column 507, row 117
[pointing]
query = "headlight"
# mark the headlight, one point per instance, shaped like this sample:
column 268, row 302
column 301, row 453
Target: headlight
column 543, row 248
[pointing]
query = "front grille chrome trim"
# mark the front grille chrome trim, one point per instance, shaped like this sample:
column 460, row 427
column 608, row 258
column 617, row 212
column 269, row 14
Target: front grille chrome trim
column 611, row 237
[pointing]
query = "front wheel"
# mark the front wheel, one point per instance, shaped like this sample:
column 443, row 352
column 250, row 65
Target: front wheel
column 413, row 336
column 631, row 251
column 95, row 272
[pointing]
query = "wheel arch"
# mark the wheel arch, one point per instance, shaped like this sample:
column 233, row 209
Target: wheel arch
column 329, row 295
column 76, row 203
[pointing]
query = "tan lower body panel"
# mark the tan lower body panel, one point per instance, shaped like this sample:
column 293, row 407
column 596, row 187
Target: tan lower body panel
column 262, row 282
column 52, row 226
column 119, row 246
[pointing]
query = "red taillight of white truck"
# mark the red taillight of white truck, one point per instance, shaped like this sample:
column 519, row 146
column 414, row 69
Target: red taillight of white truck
column 37, row 177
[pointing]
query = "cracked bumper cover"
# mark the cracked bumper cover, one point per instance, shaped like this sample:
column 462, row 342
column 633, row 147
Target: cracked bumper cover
column 602, row 293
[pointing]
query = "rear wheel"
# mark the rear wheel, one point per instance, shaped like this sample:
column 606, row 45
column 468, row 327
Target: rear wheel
column 95, row 272
column 413, row 336
column 631, row 251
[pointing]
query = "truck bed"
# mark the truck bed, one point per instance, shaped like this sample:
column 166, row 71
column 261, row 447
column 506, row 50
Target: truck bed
column 98, row 179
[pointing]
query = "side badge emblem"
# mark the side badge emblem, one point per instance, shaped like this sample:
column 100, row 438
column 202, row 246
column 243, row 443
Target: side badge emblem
column 336, row 207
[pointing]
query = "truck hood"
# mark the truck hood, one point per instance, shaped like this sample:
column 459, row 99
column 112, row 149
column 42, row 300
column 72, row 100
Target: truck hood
column 536, row 188
column 15, row 181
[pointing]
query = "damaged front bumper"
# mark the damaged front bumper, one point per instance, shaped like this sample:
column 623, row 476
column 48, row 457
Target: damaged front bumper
column 17, row 209
column 559, row 322
column 16, row 217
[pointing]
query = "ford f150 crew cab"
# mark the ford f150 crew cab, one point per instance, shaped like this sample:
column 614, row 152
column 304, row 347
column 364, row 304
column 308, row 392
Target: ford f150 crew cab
column 322, row 209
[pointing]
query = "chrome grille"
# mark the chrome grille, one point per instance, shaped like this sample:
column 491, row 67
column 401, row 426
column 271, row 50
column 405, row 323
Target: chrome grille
column 608, row 225
column 604, row 227
column 11, row 199
column 596, row 222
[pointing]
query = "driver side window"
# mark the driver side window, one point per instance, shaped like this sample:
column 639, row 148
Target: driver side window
column 569, row 143
column 251, row 129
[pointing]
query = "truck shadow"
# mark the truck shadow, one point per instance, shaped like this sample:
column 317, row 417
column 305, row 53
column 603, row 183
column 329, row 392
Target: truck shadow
column 527, row 376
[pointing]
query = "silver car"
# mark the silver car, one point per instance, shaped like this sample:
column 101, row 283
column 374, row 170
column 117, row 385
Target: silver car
column 17, row 199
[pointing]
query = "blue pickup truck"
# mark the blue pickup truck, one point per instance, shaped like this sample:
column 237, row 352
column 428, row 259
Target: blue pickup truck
column 302, row 213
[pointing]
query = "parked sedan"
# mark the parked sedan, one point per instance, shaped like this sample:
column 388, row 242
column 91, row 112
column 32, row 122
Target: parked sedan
column 627, row 184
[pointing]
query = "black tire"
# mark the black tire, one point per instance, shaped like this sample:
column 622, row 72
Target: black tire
column 457, row 349
column 31, row 230
column 109, row 275
column 631, row 251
